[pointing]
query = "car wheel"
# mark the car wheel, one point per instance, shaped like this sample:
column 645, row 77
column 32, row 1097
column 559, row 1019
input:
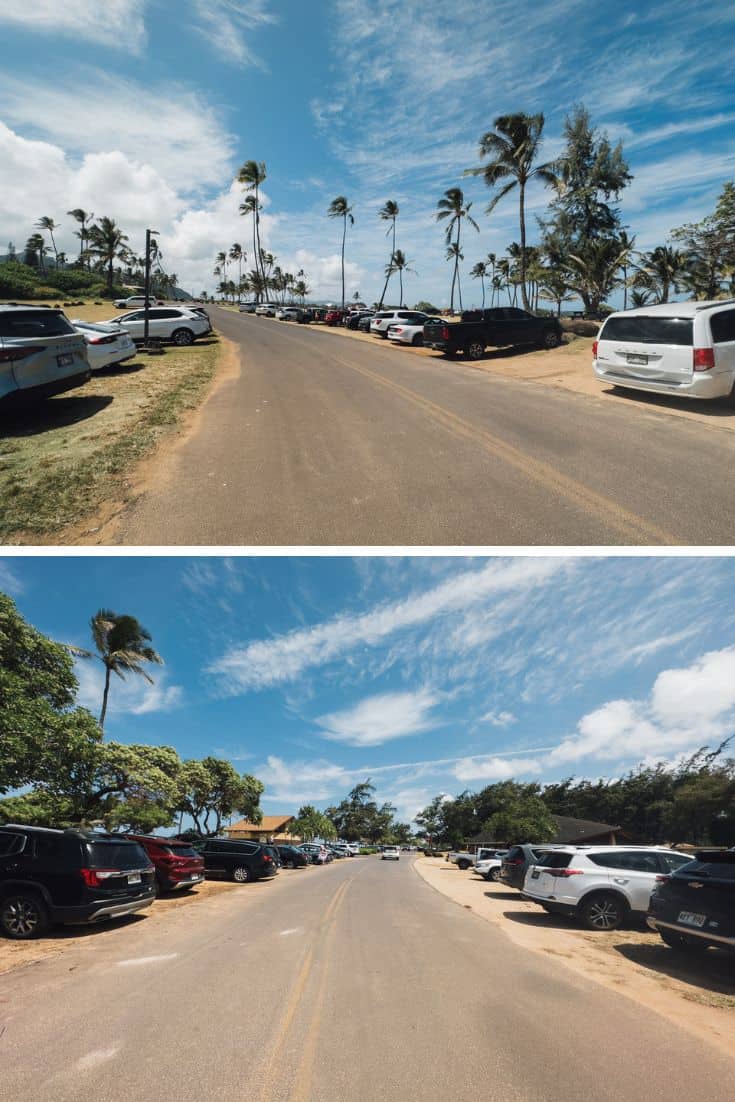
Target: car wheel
column 602, row 911
column 475, row 351
column 494, row 875
column 682, row 943
column 417, row 341
column 182, row 337
column 241, row 874
column 551, row 339
column 464, row 865
column 23, row 916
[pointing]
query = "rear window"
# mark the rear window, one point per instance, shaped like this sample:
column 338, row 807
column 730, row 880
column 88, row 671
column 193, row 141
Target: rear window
column 182, row 851
column 33, row 323
column 717, row 868
column 555, row 860
column 648, row 329
column 515, row 853
column 723, row 327
column 115, row 855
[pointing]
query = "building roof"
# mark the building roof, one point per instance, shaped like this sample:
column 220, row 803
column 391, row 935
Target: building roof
column 568, row 830
column 270, row 824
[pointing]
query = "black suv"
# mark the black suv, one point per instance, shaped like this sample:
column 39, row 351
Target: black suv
column 233, row 859
column 292, row 858
column 694, row 908
column 515, row 864
column 49, row 876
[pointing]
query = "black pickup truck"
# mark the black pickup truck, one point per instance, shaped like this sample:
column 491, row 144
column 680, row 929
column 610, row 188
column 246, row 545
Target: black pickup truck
column 499, row 327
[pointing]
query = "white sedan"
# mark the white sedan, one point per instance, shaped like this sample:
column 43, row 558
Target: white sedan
column 407, row 332
column 107, row 345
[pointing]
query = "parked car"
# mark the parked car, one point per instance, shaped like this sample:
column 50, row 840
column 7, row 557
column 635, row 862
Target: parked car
column 177, row 324
column 497, row 327
column 409, row 332
column 133, row 301
column 296, row 313
column 317, row 854
column 40, row 354
column 683, row 348
column 601, row 885
column 266, row 310
column 107, row 345
column 68, row 876
column 237, row 859
column 363, row 325
column 516, row 862
column 291, row 857
column 334, row 317
column 464, row 860
column 489, row 868
column 248, row 307
column 354, row 318
column 693, row 908
column 178, row 865
column 382, row 321
column 390, row 853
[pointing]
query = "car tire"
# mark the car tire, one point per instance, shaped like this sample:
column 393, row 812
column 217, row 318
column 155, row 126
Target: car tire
column 475, row 350
column 494, row 875
column 182, row 337
column 683, row 944
column 23, row 916
column 242, row 874
column 551, row 339
column 603, row 911
column 418, row 341
column 464, row 865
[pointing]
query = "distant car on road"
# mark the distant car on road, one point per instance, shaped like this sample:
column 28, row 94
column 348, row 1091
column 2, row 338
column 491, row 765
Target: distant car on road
column 390, row 853
column 40, row 354
column 133, row 301
column 266, row 310
column 248, row 307
column 107, row 345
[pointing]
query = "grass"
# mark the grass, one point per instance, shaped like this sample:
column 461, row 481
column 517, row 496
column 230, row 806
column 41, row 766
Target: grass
column 62, row 458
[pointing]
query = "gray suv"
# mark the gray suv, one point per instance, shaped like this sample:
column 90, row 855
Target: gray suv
column 40, row 354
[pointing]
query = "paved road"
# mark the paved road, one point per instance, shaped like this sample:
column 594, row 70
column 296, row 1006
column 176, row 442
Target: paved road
column 353, row 983
column 324, row 440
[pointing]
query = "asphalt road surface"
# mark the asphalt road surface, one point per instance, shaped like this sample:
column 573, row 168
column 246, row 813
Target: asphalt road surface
column 324, row 440
column 353, row 983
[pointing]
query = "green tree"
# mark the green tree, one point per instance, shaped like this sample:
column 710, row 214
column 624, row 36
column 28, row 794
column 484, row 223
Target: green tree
column 452, row 206
column 339, row 208
column 47, row 223
column 252, row 175
column 108, row 243
column 311, row 823
column 426, row 307
column 663, row 269
column 710, row 247
column 82, row 217
column 431, row 821
column 512, row 147
column 399, row 263
column 122, row 645
column 35, row 251
column 517, row 813
column 480, row 272
column 388, row 213
column 212, row 790
column 359, row 817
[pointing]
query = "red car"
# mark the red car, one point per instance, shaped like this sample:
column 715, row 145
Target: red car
column 334, row 317
column 177, row 864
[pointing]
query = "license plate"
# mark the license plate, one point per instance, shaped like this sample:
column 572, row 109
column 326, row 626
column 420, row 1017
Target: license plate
column 535, row 874
column 687, row 918
column 134, row 878
column 65, row 359
column 634, row 358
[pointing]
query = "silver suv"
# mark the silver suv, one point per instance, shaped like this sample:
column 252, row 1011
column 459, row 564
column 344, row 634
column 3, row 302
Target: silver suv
column 601, row 885
column 40, row 354
column 165, row 323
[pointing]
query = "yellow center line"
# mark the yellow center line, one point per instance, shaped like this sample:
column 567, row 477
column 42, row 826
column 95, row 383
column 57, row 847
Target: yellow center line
column 633, row 528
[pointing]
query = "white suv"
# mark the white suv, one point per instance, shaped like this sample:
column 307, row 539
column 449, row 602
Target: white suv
column 266, row 310
column 390, row 853
column 167, row 323
column 675, row 348
column 381, row 322
column 602, row 885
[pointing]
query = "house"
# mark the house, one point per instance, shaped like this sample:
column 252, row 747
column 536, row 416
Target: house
column 272, row 828
column 569, row 832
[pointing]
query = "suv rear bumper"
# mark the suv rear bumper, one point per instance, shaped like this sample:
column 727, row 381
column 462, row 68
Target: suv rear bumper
column 691, row 931
column 703, row 384
column 551, row 904
column 99, row 911
column 44, row 390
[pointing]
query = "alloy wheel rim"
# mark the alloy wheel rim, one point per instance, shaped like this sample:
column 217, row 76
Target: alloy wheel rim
column 20, row 917
column 241, row 875
column 604, row 915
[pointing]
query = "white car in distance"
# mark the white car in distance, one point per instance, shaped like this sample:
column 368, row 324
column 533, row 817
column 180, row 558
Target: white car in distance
column 390, row 853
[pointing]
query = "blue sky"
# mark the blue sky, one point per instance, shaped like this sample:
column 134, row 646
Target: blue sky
column 143, row 109
column 427, row 674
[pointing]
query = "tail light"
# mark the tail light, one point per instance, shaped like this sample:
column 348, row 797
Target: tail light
column 102, row 340
column 514, row 861
column 563, row 872
column 266, row 858
column 594, row 349
column 445, row 333
column 663, row 879
column 9, row 355
column 95, row 878
column 704, row 359
column 397, row 328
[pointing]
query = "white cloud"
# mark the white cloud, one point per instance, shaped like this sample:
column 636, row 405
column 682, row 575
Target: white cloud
column 381, row 718
column 9, row 580
column 228, row 25
column 132, row 696
column 494, row 768
column 115, row 23
column 498, row 719
column 270, row 662
column 699, row 694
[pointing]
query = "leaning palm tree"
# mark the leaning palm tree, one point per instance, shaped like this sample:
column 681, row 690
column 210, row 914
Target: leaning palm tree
column 122, row 647
column 238, row 254
column 252, row 174
column 491, row 262
column 388, row 213
column 221, row 260
column 36, row 250
column 399, row 263
column 512, row 148
column 453, row 207
column 479, row 272
column 47, row 223
column 107, row 243
column 82, row 217
column 339, row 208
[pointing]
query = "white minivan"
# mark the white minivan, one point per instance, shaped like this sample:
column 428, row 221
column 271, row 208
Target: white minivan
column 683, row 348
column 40, row 354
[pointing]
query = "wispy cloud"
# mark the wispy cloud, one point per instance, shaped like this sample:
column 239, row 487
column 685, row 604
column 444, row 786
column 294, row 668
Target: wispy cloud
column 132, row 696
column 230, row 26
column 118, row 24
column 381, row 718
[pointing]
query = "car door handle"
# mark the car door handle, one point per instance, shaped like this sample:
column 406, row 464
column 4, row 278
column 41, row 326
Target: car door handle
column 620, row 879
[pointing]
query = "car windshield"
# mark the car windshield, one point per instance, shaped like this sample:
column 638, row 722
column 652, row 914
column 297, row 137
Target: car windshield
column 182, row 851
column 648, row 329
column 17, row 324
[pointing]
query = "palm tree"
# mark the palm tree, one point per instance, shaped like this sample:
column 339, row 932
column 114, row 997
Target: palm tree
column 479, row 272
column 221, row 262
column 237, row 253
column 399, row 263
column 82, row 217
column 491, row 260
column 639, row 298
column 453, row 207
column 122, row 647
column 47, row 223
column 388, row 213
column 252, row 174
column 513, row 146
column 339, row 208
column 626, row 252
column 36, row 249
column 664, row 267
column 107, row 242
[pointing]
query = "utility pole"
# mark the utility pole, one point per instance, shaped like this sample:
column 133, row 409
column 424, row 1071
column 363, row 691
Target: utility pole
column 148, row 235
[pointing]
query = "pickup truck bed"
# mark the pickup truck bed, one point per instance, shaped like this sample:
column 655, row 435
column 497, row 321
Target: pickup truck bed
column 497, row 328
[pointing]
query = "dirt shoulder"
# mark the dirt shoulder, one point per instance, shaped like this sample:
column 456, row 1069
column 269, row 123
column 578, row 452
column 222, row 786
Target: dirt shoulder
column 68, row 463
column 697, row 994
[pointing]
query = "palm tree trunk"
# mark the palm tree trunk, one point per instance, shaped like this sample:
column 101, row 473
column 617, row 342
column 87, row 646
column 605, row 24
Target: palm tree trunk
column 482, row 283
column 522, row 200
column 344, row 236
column 625, row 286
column 110, row 274
column 105, row 694
column 385, row 287
column 456, row 265
column 400, row 280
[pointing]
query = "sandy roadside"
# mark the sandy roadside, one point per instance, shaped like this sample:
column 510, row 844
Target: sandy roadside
column 698, row 995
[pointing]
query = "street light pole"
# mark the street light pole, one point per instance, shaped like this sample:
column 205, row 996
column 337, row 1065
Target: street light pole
column 148, row 235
